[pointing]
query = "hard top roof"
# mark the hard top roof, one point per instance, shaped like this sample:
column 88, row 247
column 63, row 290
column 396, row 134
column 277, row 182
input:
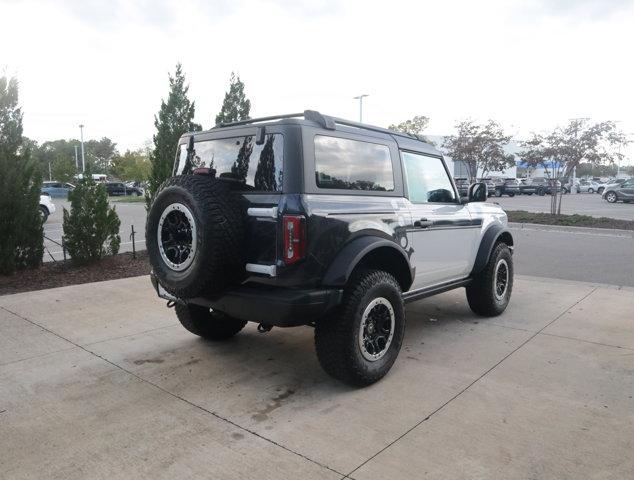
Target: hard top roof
column 316, row 119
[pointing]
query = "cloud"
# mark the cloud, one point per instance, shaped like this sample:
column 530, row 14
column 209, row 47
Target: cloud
column 574, row 10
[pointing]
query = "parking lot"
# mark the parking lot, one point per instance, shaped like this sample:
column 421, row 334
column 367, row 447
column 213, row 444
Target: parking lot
column 99, row 381
column 583, row 203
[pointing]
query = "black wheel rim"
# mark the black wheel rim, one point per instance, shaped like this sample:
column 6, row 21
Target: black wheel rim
column 501, row 279
column 177, row 236
column 376, row 330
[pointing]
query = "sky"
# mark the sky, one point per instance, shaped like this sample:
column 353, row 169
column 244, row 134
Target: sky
column 531, row 64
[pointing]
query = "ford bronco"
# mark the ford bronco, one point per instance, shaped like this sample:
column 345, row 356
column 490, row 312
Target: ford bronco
column 306, row 219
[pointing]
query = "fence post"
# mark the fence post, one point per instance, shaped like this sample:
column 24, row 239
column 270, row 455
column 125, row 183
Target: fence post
column 133, row 244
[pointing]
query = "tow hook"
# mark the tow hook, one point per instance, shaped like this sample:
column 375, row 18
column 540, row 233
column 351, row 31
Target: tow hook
column 263, row 328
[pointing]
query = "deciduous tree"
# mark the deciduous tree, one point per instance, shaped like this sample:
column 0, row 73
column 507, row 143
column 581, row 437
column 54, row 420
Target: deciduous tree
column 480, row 147
column 415, row 127
column 558, row 152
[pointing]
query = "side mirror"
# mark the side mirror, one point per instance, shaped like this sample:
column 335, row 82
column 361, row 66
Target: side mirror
column 477, row 192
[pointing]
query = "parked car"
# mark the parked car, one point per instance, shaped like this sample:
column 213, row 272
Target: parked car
column 57, row 189
column 586, row 186
column 506, row 186
column 462, row 184
column 541, row 186
column 490, row 185
column 120, row 188
column 623, row 191
column 47, row 207
column 331, row 223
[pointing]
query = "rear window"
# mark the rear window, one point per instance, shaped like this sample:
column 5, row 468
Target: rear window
column 346, row 164
column 259, row 167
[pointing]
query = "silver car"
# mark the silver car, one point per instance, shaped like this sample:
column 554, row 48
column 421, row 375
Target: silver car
column 619, row 191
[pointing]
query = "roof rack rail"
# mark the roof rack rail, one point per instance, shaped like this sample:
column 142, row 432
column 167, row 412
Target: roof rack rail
column 325, row 121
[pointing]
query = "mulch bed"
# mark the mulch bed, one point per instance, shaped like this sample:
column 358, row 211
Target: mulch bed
column 60, row 274
column 521, row 216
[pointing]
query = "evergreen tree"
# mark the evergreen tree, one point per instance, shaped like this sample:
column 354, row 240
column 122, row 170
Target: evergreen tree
column 91, row 228
column 175, row 118
column 21, row 237
column 265, row 172
column 236, row 106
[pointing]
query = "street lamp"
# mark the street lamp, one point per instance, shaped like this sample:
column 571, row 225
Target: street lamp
column 83, row 161
column 360, row 98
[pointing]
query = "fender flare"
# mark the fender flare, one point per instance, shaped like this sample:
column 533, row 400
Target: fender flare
column 340, row 269
column 489, row 239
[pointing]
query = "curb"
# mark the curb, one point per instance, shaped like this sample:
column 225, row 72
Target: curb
column 606, row 232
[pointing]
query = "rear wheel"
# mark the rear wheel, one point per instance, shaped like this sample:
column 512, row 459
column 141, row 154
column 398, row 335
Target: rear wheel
column 208, row 324
column 511, row 195
column 490, row 292
column 591, row 190
column 600, row 190
column 611, row 197
column 359, row 343
column 541, row 192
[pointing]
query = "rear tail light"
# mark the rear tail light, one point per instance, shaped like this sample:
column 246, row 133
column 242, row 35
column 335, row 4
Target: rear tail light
column 294, row 238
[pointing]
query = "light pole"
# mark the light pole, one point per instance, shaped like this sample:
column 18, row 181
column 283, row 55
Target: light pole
column 76, row 161
column 83, row 161
column 360, row 98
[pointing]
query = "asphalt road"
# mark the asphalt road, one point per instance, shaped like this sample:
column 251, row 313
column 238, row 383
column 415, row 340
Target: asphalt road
column 604, row 256
column 582, row 203
column 592, row 255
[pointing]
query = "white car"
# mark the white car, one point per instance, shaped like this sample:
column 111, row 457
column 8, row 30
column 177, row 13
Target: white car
column 587, row 187
column 47, row 207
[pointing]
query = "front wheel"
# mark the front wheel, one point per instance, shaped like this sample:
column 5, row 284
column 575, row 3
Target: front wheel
column 611, row 197
column 490, row 291
column 360, row 341
column 591, row 190
column 498, row 192
column 206, row 323
column 511, row 195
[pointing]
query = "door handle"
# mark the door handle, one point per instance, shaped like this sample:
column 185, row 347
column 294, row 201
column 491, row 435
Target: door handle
column 423, row 223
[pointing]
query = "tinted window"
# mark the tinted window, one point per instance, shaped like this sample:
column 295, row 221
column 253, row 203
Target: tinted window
column 427, row 179
column 352, row 165
column 259, row 167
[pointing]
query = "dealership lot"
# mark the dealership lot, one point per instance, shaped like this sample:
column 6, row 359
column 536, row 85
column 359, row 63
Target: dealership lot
column 583, row 204
column 98, row 380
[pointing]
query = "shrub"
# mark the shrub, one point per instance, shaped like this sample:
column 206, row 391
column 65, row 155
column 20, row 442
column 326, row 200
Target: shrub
column 91, row 228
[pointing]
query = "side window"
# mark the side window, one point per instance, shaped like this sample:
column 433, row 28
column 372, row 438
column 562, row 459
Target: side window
column 427, row 179
column 347, row 164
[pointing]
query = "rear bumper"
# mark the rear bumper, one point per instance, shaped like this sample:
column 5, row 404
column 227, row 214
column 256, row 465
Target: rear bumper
column 278, row 307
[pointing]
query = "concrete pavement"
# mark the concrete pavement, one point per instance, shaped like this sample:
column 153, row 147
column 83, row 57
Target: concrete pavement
column 99, row 381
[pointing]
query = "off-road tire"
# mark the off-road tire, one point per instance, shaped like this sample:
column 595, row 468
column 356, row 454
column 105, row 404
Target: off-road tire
column 337, row 335
column 611, row 197
column 481, row 293
column 220, row 234
column 208, row 324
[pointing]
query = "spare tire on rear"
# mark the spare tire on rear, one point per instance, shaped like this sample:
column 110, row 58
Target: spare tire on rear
column 194, row 235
